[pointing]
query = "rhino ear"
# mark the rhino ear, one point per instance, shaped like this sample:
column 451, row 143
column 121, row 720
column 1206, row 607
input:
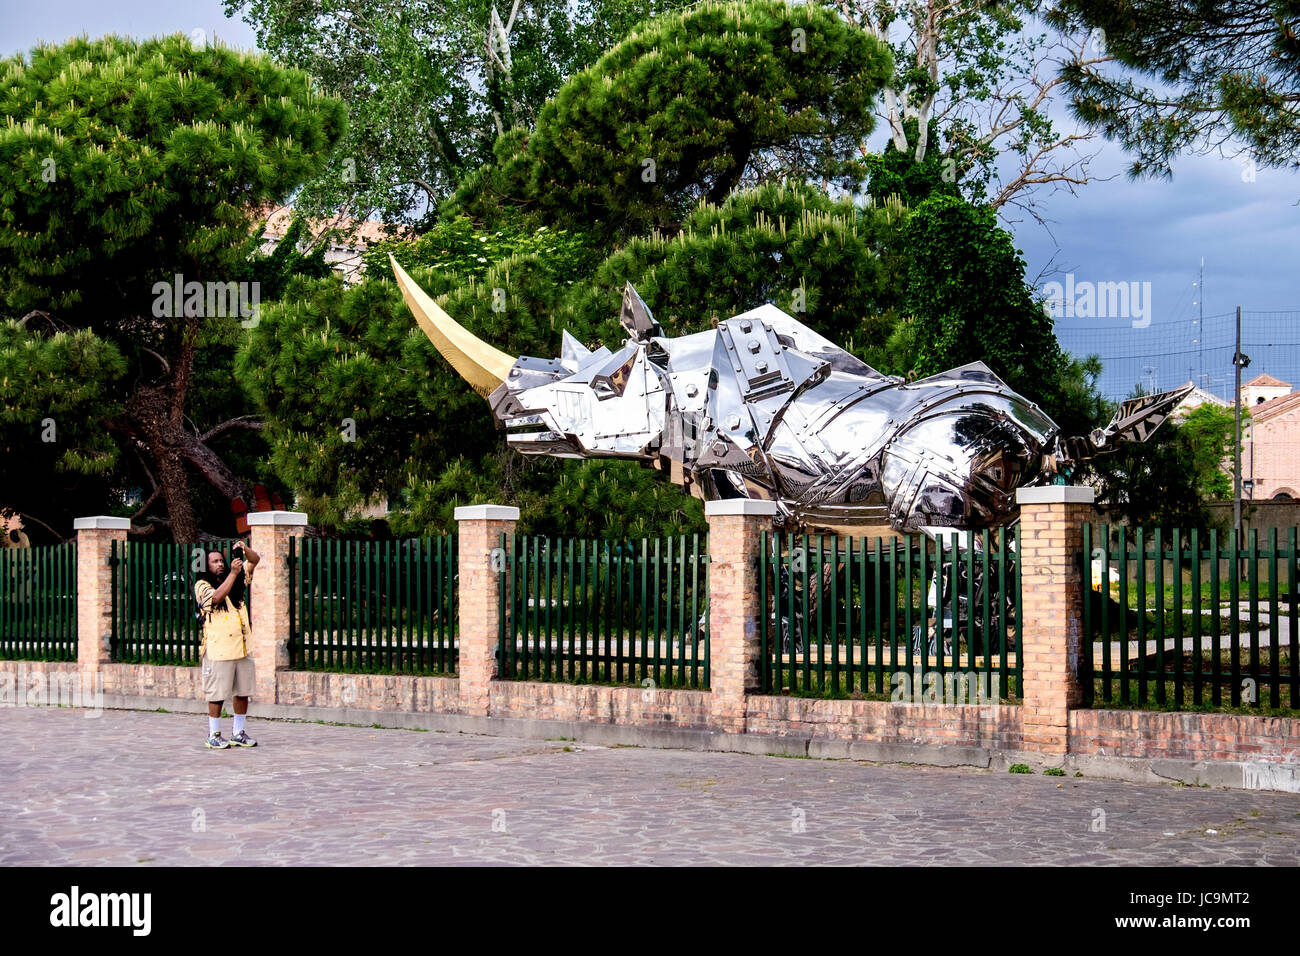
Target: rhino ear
column 571, row 350
column 636, row 316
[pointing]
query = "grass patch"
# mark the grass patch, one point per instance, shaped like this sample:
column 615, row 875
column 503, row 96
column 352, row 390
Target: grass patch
column 52, row 656
column 1019, row 768
column 1053, row 772
column 634, row 674
column 1188, row 665
column 849, row 687
column 399, row 669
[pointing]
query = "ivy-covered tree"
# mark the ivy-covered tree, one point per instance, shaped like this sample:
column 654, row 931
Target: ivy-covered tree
column 966, row 300
column 896, row 173
column 123, row 166
column 272, row 272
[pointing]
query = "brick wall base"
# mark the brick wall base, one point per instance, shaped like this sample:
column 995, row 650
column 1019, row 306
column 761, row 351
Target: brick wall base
column 1184, row 736
column 393, row 692
column 680, row 709
column 1231, row 750
column 886, row 722
column 130, row 680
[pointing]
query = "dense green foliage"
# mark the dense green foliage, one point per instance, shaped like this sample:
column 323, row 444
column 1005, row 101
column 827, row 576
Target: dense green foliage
column 123, row 165
column 896, row 173
column 57, row 394
column 752, row 113
column 455, row 246
column 272, row 272
column 426, row 84
column 689, row 107
column 830, row 263
column 967, row 301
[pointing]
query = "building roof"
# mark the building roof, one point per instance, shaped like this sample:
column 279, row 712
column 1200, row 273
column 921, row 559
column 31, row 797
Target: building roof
column 1200, row 396
column 355, row 233
column 1275, row 407
column 1265, row 381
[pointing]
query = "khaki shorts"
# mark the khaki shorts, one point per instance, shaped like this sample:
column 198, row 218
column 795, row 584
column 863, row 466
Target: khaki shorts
column 223, row 680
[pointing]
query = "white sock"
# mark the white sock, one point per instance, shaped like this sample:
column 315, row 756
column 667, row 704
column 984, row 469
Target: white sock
column 239, row 724
column 214, row 725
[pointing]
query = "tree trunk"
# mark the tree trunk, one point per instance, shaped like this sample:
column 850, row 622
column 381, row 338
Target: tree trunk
column 155, row 416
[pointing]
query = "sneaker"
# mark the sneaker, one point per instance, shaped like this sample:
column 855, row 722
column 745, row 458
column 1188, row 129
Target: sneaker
column 217, row 742
column 242, row 739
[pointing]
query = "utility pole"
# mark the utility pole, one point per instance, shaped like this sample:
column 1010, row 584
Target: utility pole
column 1200, row 324
column 1240, row 361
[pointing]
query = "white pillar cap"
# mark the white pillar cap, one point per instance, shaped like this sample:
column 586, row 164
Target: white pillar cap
column 278, row 518
column 101, row 523
column 740, row 506
column 486, row 513
column 1056, row 495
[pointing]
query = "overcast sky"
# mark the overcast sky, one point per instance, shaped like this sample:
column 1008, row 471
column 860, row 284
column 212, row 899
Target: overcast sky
column 1242, row 221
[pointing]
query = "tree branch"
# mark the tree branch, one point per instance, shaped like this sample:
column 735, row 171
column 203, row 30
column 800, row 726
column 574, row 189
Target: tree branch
column 148, row 502
column 243, row 421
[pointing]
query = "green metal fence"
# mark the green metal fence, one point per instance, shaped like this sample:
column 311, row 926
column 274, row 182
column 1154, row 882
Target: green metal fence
column 614, row 612
column 1178, row 618
column 373, row 606
column 153, row 604
column 38, row 603
column 845, row 616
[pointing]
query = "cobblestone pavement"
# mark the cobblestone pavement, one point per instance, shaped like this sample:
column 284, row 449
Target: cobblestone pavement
column 131, row 788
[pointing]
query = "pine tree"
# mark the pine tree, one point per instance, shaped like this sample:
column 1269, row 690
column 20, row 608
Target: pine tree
column 123, row 165
column 687, row 108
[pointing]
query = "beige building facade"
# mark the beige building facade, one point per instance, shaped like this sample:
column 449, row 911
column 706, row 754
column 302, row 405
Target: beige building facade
column 1271, row 447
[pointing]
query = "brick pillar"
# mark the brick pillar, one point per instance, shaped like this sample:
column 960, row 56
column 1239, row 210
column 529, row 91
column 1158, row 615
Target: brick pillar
column 95, row 588
column 269, row 647
column 1050, row 545
column 478, row 599
column 734, row 645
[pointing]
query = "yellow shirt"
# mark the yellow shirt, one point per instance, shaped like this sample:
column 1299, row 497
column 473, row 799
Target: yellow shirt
column 225, row 629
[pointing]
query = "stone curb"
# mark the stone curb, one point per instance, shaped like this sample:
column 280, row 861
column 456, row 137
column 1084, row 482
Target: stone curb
column 1228, row 774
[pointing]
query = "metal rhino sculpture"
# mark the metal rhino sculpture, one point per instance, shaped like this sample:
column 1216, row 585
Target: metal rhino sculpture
column 763, row 407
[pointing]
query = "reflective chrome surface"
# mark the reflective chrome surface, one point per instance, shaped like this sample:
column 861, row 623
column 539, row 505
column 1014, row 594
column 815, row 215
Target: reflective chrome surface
column 764, row 407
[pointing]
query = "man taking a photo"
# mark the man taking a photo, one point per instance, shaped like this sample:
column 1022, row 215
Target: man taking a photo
column 227, row 669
